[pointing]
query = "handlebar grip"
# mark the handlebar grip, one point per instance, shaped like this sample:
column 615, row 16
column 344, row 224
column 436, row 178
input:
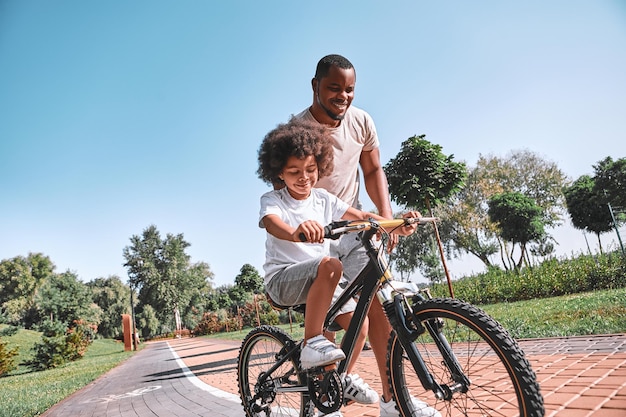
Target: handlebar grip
column 328, row 234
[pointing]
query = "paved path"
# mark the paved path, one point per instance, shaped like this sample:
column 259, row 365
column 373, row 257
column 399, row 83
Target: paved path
column 579, row 377
column 154, row 382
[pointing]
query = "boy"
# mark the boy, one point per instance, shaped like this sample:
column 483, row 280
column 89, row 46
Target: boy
column 292, row 158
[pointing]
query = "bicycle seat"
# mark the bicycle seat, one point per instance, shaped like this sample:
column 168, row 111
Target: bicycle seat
column 300, row 308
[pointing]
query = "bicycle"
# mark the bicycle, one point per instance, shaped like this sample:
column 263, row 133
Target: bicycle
column 444, row 351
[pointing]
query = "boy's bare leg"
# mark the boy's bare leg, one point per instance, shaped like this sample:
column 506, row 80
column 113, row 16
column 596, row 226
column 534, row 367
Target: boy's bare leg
column 320, row 295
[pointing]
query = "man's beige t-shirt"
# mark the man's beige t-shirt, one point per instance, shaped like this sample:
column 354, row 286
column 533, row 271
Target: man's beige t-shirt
column 355, row 133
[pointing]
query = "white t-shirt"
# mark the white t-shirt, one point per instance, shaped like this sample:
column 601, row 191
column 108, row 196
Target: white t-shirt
column 320, row 206
column 355, row 133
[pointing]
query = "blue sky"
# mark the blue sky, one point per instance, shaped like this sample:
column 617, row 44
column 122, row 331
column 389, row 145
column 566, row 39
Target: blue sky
column 118, row 115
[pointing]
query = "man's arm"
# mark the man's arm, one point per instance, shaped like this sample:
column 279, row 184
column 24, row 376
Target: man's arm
column 376, row 182
column 377, row 188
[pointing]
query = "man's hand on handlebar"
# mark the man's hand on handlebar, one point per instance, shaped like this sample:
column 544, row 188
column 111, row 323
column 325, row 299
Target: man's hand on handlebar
column 406, row 230
column 409, row 229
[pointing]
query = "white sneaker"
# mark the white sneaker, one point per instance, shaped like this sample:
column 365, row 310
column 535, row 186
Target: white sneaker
column 422, row 409
column 320, row 351
column 354, row 388
column 333, row 414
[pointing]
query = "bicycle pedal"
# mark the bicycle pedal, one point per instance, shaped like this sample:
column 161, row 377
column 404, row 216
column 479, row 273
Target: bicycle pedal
column 324, row 369
column 330, row 367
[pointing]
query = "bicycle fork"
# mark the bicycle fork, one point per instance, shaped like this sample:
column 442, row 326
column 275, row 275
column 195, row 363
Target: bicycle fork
column 408, row 328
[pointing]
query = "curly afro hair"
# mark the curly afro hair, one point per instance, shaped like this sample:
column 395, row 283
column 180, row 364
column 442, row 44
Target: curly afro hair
column 299, row 138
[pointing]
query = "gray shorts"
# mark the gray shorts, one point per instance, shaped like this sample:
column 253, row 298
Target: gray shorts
column 290, row 286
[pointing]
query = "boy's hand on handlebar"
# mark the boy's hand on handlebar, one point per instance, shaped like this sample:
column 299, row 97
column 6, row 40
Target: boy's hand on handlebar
column 311, row 231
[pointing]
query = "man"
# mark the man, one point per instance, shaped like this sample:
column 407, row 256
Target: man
column 355, row 144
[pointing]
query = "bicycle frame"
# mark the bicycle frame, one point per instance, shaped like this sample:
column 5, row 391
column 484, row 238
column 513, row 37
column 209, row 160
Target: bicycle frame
column 374, row 279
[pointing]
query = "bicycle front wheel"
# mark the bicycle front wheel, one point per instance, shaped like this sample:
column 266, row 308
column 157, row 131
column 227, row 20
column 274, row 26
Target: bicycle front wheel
column 502, row 382
column 271, row 393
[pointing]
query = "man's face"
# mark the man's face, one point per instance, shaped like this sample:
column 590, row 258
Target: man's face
column 333, row 94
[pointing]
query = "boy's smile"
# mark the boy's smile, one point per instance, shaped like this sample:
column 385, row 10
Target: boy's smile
column 300, row 175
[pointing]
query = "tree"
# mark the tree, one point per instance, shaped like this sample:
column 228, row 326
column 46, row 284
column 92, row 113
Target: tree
column 162, row 273
column 148, row 322
column 468, row 225
column 587, row 208
column 64, row 298
column 20, row 278
column 610, row 181
column 113, row 298
column 520, row 220
column 238, row 296
column 249, row 279
column 421, row 177
column 520, row 171
column 200, row 278
column 220, row 298
column 527, row 173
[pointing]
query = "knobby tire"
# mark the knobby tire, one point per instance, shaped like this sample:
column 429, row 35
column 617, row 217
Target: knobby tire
column 502, row 380
column 259, row 351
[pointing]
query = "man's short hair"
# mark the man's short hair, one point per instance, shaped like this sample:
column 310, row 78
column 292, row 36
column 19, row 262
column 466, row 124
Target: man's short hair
column 333, row 60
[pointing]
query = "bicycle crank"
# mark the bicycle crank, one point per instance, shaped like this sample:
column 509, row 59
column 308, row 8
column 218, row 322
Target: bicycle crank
column 325, row 389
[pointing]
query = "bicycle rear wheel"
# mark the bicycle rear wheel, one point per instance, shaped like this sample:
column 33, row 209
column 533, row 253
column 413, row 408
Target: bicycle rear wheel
column 502, row 380
column 283, row 393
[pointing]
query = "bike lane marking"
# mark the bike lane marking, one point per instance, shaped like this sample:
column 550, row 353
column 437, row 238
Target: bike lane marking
column 199, row 383
column 116, row 397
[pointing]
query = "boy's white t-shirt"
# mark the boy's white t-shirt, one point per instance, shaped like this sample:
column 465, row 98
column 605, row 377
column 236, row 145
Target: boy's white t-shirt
column 320, row 206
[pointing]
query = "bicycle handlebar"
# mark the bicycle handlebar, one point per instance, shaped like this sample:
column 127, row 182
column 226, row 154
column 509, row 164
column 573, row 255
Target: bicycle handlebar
column 335, row 229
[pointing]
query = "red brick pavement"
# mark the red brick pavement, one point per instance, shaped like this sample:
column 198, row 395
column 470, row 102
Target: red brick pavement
column 579, row 376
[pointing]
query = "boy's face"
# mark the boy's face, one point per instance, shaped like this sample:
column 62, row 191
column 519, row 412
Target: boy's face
column 300, row 175
column 334, row 93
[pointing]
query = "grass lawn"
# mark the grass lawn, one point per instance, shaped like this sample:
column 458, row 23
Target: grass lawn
column 26, row 393
column 599, row 312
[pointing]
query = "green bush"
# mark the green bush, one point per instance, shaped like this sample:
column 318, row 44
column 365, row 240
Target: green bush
column 266, row 314
column 550, row 279
column 209, row 324
column 60, row 345
column 7, row 363
column 290, row 316
column 9, row 331
column 270, row 318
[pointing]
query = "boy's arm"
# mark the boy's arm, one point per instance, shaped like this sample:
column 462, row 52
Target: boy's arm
column 312, row 230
